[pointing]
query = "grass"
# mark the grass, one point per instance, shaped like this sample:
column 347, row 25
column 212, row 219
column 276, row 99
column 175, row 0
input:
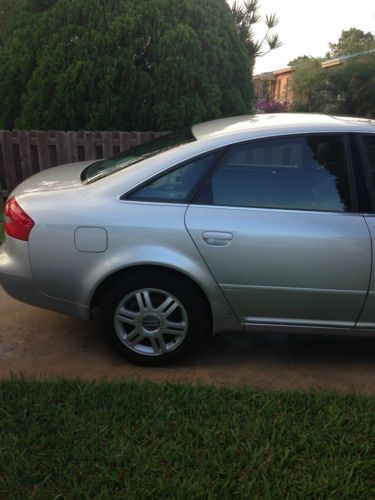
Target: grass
column 128, row 440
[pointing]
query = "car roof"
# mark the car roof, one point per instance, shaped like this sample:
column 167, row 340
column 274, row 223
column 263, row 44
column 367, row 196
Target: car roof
column 286, row 121
column 227, row 131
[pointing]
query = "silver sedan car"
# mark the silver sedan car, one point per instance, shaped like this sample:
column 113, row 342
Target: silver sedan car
column 253, row 223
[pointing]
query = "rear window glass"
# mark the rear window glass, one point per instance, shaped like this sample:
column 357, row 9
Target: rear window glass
column 106, row 167
column 176, row 186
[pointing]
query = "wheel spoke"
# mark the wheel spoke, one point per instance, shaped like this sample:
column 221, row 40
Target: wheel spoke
column 126, row 316
column 163, row 347
column 167, row 307
column 144, row 301
column 155, row 346
column 174, row 328
column 134, row 338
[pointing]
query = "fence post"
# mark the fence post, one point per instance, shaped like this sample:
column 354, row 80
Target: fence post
column 8, row 160
column 3, row 194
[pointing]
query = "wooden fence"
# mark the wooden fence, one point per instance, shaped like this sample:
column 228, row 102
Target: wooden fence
column 24, row 153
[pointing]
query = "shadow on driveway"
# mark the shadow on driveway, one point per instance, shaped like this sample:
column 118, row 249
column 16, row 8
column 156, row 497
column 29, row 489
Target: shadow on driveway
column 37, row 343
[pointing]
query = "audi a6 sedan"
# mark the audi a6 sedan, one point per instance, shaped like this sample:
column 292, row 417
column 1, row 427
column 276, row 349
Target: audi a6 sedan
column 252, row 223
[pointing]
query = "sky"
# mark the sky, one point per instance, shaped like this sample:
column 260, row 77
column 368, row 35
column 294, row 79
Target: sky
column 306, row 27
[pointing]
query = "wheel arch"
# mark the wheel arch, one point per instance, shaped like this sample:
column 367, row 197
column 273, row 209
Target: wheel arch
column 141, row 268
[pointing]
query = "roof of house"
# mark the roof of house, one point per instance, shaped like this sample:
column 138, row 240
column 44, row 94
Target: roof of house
column 339, row 60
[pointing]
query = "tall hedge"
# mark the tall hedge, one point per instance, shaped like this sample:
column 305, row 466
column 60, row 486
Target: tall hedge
column 120, row 64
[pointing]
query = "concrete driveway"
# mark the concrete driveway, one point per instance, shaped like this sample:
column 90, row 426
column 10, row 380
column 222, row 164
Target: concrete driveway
column 37, row 343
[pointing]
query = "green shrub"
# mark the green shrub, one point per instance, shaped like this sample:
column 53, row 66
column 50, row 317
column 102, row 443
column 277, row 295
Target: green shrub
column 120, row 64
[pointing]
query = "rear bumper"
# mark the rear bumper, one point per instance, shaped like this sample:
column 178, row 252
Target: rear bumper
column 17, row 280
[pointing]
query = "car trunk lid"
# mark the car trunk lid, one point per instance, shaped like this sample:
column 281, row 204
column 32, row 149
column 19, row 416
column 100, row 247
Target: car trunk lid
column 61, row 177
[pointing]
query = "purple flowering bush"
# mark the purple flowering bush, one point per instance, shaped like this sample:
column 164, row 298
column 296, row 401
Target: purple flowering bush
column 272, row 106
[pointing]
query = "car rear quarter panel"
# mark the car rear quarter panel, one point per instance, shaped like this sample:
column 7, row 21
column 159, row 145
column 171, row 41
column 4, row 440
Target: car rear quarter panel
column 138, row 234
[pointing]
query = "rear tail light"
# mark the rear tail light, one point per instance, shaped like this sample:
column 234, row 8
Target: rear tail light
column 17, row 223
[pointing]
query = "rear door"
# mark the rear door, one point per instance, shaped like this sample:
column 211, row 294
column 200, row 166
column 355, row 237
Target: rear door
column 277, row 226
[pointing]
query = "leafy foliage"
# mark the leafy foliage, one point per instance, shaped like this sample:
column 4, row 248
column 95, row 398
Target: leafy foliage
column 352, row 41
column 246, row 15
column 347, row 89
column 120, row 64
column 299, row 60
column 350, row 88
column 307, row 84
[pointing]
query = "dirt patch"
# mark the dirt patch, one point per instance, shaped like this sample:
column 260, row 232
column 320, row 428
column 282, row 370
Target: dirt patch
column 37, row 343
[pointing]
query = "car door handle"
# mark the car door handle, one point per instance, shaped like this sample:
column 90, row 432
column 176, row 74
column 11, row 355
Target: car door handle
column 216, row 238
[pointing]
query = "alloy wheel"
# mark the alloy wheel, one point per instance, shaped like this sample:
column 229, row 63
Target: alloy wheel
column 151, row 322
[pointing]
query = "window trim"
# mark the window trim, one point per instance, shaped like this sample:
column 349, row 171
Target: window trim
column 365, row 165
column 349, row 173
column 154, row 177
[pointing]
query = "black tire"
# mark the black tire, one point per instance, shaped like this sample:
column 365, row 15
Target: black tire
column 190, row 306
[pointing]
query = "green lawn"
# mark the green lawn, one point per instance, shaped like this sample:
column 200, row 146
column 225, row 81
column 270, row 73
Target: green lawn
column 127, row 440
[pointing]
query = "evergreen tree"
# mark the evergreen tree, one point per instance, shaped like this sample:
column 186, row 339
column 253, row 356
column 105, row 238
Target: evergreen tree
column 120, row 64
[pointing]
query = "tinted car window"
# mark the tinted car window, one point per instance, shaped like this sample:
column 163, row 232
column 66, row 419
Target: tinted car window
column 176, row 186
column 307, row 173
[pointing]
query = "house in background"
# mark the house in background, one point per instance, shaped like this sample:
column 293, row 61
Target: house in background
column 276, row 85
